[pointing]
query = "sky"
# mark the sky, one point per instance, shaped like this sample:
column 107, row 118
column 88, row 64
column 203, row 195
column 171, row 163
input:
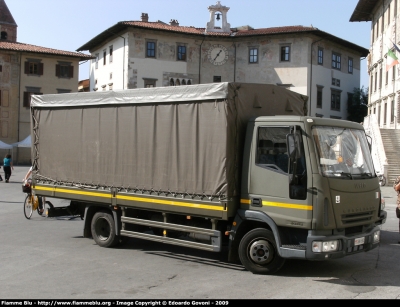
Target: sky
column 69, row 24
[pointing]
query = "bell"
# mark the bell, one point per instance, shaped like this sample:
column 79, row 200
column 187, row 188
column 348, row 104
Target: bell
column 218, row 14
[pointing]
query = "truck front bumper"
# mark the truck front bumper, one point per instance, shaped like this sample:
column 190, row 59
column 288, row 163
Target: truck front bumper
column 347, row 245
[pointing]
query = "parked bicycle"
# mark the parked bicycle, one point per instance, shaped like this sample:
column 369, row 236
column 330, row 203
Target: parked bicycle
column 33, row 202
column 382, row 179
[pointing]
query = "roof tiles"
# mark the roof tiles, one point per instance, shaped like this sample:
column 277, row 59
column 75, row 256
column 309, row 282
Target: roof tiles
column 21, row 47
column 201, row 31
column 245, row 31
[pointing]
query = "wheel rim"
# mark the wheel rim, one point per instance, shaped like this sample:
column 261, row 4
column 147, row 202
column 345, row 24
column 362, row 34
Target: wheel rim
column 28, row 207
column 261, row 251
column 103, row 229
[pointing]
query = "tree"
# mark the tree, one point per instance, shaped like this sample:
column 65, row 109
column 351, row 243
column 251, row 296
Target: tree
column 357, row 105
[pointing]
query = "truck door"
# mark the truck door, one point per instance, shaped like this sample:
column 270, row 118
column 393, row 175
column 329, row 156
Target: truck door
column 270, row 189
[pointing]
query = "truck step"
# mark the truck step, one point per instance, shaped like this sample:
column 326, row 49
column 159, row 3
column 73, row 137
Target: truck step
column 301, row 247
column 215, row 235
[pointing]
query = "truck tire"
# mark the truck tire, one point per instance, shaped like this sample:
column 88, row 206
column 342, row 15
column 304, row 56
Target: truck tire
column 103, row 229
column 258, row 252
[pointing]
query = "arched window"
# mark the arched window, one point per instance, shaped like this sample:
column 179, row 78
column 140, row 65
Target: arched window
column 177, row 82
column 189, row 83
column 3, row 35
column 171, row 82
column 183, row 82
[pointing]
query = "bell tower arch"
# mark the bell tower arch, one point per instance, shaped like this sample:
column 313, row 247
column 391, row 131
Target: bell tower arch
column 216, row 12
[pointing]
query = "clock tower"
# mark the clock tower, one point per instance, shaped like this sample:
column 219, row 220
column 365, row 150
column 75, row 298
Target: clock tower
column 215, row 12
column 8, row 26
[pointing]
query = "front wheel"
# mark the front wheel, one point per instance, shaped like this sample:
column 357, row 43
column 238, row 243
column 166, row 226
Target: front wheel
column 258, row 252
column 28, row 206
column 103, row 229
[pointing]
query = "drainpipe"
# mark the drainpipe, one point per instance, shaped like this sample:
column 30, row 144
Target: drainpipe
column 200, row 60
column 19, row 103
column 234, row 65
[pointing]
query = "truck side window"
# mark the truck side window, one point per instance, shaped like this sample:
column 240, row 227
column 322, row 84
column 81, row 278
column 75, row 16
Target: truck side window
column 265, row 152
column 271, row 149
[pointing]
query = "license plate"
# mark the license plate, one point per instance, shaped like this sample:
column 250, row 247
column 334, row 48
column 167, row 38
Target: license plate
column 359, row 241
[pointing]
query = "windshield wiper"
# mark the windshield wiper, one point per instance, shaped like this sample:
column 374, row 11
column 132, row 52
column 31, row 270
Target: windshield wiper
column 367, row 174
column 363, row 175
column 345, row 174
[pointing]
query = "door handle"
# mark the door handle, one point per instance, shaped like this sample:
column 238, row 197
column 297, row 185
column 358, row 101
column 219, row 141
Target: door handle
column 256, row 202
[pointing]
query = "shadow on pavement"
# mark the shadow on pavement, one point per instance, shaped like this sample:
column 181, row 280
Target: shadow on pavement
column 360, row 272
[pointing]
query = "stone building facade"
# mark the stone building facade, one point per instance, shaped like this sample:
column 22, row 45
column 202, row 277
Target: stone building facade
column 384, row 85
column 136, row 54
column 26, row 70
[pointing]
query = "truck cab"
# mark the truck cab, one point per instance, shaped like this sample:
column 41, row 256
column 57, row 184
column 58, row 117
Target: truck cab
column 311, row 186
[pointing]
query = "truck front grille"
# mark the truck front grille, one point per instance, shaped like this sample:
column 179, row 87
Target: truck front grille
column 357, row 217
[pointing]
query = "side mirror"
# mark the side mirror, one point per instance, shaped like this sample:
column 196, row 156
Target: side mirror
column 369, row 140
column 291, row 145
column 293, row 142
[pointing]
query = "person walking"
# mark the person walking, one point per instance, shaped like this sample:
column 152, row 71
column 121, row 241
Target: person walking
column 7, row 166
column 396, row 187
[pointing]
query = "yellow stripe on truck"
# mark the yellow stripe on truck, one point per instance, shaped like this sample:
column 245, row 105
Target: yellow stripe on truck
column 278, row 204
column 170, row 202
column 134, row 198
column 61, row 190
column 245, row 201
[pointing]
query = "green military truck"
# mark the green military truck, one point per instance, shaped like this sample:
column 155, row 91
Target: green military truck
column 219, row 166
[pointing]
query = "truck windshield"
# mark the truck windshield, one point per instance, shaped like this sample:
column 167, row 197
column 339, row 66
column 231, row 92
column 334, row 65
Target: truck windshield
column 343, row 152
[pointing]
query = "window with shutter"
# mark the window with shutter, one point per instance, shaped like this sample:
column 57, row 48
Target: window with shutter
column 34, row 67
column 40, row 69
column 71, row 71
column 64, row 70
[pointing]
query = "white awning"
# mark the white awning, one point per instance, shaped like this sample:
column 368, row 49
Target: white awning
column 5, row 145
column 24, row 143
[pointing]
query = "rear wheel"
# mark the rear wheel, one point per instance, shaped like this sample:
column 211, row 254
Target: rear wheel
column 40, row 206
column 258, row 252
column 28, row 206
column 103, row 229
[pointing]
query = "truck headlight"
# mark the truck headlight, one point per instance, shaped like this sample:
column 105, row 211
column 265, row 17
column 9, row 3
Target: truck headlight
column 325, row 246
column 382, row 203
column 377, row 236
